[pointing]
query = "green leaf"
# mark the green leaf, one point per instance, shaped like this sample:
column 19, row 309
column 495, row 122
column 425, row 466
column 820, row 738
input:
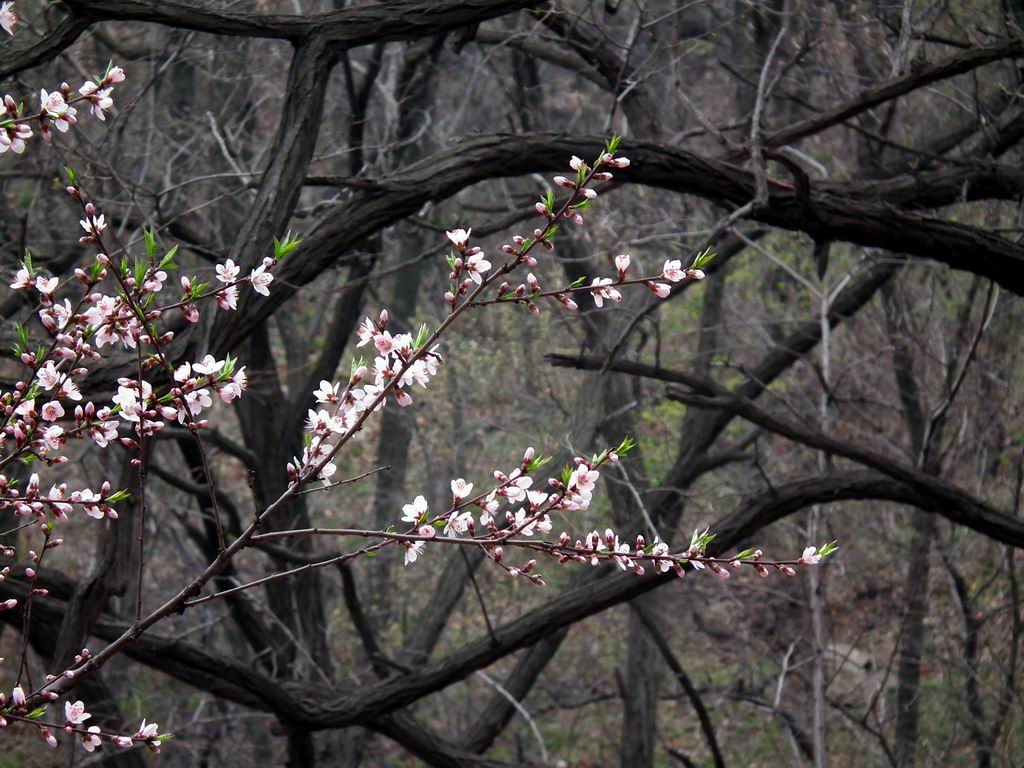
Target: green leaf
column 703, row 258
column 421, row 337
column 828, row 549
column 140, row 272
column 167, row 262
column 285, row 246
column 538, row 462
column 36, row 713
column 149, row 235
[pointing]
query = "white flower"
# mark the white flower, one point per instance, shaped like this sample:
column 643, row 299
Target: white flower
column 23, row 279
column 459, row 237
column 461, row 489
column 8, row 18
column 260, row 280
column 413, row 549
column 477, row 266
column 414, row 512
column 457, row 524
column 147, row 732
column 91, row 740
column 227, row 272
column 57, row 109
column 600, row 288
column 208, row 366
column 49, row 376
column 99, row 102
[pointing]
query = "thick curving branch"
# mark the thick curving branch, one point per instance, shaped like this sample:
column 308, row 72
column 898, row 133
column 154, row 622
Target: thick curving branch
column 346, row 28
column 19, row 56
column 836, row 216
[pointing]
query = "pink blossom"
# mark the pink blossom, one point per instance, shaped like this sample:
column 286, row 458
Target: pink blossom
column 46, row 285
column 576, row 163
column 661, row 290
column 52, row 411
column 48, row 737
column 99, row 101
column 622, row 264
column 14, row 137
column 49, row 376
column 673, row 270
column 810, row 556
column 75, row 712
column 228, row 298
column 91, row 740
column 566, row 302
column 124, row 742
column 115, row 75
column 233, row 387
column 601, row 290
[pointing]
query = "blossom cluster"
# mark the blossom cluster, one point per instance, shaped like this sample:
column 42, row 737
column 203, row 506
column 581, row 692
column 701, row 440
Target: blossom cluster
column 401, row 361
column 57, row 108
column 109, row 305
column 15, row 708
column 469, row 268
column 572, row 492
column 115, row 306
